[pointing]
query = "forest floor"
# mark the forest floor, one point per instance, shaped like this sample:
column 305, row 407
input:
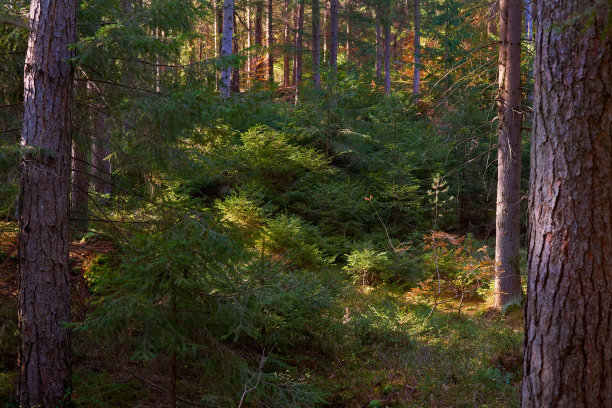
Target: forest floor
column 402, row 359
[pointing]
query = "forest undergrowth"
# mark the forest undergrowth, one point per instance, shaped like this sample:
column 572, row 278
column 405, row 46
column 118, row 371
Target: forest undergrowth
column 293, row 259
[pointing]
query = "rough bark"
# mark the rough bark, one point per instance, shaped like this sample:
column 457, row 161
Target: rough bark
column 416, row 77
column 508, row 288
column 333, row 36
column 568, row 358
column 316, row 43
column 44, row 285
column 270, row 42
column 226, row 46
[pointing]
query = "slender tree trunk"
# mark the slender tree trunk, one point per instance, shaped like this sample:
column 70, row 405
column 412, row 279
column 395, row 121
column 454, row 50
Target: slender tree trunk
column 249, row 44
column 528, row 21
column 259, row 38
column 333, row 36
column 78, row 196
column 287, row 50
column 299, row 45
column 379, row 45
column 316, row 44
column 270, row 44
column 508, row 288
column 235, row 69
column 326, row 34
column 226, row 46
column 349, row 12
column 568, row 358
column 44, row 283
column 387, row 42
column 416, row 77
column 100, row 150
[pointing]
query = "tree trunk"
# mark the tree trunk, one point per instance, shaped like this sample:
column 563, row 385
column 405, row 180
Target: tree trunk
column 379, row 45
column 235, row 68
column 568, row 358
column 44, row 283
column 226, row 46
column 349, row 11
column 270, row 45
column 79, row 197
column 416, row 78
column 316, row 43
column 100, row 150
column 528, row 21
column 299, row 45
column 326, row 32
column 333, row 36
column 387, row 42
column 259, row 64
column 508, row 288
column 287, row 50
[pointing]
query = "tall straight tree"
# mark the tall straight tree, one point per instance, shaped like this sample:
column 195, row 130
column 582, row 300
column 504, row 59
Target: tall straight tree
column 299, row 47
column 44, row 283
column 287, row 47
column 333, row 36
column 259, row 36
column 379, row 44
column 568, row 326
column 387, row 51
column 270, row 41
column 226, row 46
column 316, row 43
column 416, row 77
column 508, row 288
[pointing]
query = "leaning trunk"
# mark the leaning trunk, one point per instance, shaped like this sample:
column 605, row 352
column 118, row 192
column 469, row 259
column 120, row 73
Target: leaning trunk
column 508, row 288
column 44, row 282
column 567, row 357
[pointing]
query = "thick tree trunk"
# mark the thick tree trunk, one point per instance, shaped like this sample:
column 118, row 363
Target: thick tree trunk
column 226, row 46
column 508, row 288
column 287, row 48
column 333, row 37
column 568, row 358
column 387, row 46
column 270, row 45
column 44, row 283
column 316, row 43
column 416, row 77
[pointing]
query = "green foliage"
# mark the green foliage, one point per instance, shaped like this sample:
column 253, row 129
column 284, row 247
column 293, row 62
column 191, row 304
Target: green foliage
column 368, row 266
